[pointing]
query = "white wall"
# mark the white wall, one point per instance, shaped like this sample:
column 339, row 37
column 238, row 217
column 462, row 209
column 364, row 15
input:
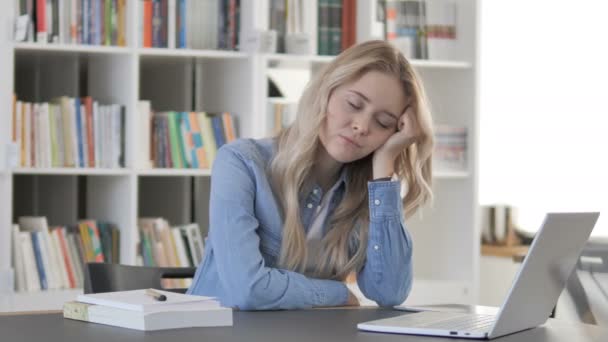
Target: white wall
column 544, row 119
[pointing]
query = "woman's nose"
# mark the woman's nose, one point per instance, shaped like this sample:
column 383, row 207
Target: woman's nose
column 360, row 126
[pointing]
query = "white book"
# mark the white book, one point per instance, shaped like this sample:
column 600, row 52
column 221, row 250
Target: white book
column 74, row 133
column 181, row 249
column 46, row 133
column 56, row 281
column 18, row 261
column 117, row 134
column 143, row 159
column 31, row 272
column 67, row 129
column 27, row 139
column 39, row 224
column 138, row 300
column 36, row 135
column 96, row 142
column 59, row 136
column 180, row 316
column 171, row 25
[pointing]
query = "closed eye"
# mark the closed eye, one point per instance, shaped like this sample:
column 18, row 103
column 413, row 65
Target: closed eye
column 353, row 105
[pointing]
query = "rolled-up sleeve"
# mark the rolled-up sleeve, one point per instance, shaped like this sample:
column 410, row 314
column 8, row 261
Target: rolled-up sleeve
column 386, row 276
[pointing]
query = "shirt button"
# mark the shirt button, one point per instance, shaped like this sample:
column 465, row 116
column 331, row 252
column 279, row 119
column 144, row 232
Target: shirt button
column 376, row 247
column 315, row 191
column 309, row 205
column 377, row 202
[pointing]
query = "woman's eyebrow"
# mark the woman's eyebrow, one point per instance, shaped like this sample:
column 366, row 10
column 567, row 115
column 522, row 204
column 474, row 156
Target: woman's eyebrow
column 367, row 100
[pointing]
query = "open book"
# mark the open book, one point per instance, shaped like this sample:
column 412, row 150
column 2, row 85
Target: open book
column 136, row 310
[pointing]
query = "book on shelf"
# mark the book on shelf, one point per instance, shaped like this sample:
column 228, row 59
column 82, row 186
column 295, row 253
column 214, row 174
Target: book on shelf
column 137, row 310
column 337, row 26
column 90, row 22
column 189, row 24
column 499, row 225
column 183, row 139
column 450, row 152
column 49, row 258
column 69, row 132
column 422, row 29
column 281, row 113
column 163, row 245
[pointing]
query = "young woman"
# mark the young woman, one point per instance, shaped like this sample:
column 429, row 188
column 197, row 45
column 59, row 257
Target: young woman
column 292, row 216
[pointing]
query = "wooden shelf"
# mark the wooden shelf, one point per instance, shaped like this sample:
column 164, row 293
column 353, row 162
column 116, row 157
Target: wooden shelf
column 504, row 251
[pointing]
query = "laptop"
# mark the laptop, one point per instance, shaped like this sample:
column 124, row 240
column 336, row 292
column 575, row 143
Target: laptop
column 551, row 259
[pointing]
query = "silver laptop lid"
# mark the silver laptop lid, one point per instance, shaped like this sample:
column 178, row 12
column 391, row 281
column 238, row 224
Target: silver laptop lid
column 544, row 272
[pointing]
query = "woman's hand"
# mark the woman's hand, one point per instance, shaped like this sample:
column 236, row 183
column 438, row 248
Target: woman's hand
column 352, row 299
column 408, row 131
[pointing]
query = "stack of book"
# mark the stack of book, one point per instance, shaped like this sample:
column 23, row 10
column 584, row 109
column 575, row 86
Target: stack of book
column 166, row 246
column 422, row 29
column 142, row 310
column 69, row 132
column 281, row 113
column 450, row 148
column 189, row 24
column 53, row 258
column 499, row 225
column 183, row 139
column 94, row 22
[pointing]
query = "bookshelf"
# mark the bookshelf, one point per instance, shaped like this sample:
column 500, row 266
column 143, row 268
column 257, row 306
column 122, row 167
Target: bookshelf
column 446, row 255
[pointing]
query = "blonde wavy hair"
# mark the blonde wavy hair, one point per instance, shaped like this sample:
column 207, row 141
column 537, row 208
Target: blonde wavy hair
column 297, row 148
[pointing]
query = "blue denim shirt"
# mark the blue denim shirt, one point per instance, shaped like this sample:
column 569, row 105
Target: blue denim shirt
column 242, row 251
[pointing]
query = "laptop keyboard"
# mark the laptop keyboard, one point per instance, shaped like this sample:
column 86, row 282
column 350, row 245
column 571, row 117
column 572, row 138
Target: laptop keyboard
column 450, row 321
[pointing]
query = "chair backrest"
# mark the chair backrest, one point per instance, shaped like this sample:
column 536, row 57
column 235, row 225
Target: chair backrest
column 104, row 277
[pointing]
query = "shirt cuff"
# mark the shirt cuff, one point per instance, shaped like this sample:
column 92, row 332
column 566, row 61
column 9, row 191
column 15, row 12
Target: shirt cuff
column 328, row 292
column 384, row 199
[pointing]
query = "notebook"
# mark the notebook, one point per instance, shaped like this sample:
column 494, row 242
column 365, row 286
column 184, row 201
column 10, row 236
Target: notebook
column 137, row 300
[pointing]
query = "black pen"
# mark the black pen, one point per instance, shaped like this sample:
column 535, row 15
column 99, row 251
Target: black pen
column 158, row 296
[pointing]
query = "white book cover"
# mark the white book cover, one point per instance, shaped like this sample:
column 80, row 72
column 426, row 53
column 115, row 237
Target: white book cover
column 56, row 281
column 18, row 261
column 27, row 139
column 96, row 140
column 199, row 314
column 74, row 133
column 143, row 158
column 59, row 136
column 31, row 272
column 171, row 25
column 138, row 300
column 181, row 249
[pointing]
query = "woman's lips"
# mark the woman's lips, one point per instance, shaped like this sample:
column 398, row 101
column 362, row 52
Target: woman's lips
column 349, row 140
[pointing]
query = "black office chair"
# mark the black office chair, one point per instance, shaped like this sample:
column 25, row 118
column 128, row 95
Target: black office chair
column 104, row 277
